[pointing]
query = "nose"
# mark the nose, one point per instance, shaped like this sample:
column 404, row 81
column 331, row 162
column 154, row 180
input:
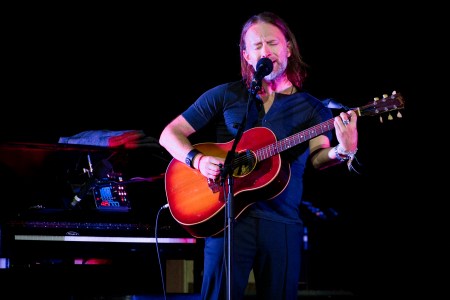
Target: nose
column 265, row 51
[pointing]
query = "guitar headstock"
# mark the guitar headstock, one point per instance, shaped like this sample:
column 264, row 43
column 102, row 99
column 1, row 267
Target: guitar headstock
column 388, row 103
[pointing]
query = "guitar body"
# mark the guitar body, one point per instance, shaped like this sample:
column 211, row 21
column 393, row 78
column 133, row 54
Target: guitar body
column 199, row 206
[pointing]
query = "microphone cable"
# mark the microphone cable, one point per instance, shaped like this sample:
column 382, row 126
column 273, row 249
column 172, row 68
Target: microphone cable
column 157, row 249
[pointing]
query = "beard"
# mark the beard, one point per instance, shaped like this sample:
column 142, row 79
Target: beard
column 278, row 71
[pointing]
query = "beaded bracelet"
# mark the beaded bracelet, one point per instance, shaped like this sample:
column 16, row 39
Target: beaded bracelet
column 343, row 155
column 339, row 156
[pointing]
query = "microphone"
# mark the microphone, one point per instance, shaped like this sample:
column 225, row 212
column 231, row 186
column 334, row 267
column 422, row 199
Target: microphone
column 101, row 170
column 264, row 67
column 84, row 190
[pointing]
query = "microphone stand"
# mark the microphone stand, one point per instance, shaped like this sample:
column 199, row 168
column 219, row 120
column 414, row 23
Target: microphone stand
column 227, row 172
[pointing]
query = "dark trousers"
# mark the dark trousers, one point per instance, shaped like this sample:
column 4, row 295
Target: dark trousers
column 271, row 249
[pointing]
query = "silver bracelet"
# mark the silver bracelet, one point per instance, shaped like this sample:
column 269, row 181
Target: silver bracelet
column 343, row 155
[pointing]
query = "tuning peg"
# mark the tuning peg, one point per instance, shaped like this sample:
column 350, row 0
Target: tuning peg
column 390, row 117
column 375, row 99
column 399, row 115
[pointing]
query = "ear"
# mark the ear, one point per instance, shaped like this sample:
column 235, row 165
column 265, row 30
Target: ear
column 245, row 55
column 289, row 49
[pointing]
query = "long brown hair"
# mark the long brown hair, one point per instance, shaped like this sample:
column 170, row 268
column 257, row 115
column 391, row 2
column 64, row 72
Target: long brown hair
column 296, row 67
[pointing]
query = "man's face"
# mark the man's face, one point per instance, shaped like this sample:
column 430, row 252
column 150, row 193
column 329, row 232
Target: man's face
column 266, row 40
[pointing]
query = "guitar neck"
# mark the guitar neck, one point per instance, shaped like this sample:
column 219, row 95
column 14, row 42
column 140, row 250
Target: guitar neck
column 293, row 140
column 378, row 106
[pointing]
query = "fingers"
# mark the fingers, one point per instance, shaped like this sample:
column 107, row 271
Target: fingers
column 345, row 118
column 351, row 115
column 211, row 166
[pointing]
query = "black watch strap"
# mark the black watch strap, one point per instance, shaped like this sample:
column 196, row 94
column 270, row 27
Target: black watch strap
column 190, row 157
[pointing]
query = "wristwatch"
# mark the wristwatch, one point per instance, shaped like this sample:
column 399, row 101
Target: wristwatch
column 190, row 157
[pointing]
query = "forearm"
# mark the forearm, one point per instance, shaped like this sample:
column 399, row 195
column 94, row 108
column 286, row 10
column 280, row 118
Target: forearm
column 324, row 158
column 323, row 155
column 330, row 156
column 174, row 138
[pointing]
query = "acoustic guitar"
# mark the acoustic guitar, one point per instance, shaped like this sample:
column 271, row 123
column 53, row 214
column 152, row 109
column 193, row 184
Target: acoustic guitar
column 198, row 204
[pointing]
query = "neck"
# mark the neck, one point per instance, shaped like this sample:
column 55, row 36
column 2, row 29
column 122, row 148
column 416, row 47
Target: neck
column 283, row 86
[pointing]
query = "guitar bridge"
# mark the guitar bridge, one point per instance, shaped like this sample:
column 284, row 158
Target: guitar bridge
column 213, row 185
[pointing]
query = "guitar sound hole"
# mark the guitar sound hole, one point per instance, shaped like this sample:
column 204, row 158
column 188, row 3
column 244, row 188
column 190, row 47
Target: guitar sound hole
column 244, row 163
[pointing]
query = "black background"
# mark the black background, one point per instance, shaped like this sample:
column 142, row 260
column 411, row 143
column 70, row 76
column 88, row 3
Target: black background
column 71, row 68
